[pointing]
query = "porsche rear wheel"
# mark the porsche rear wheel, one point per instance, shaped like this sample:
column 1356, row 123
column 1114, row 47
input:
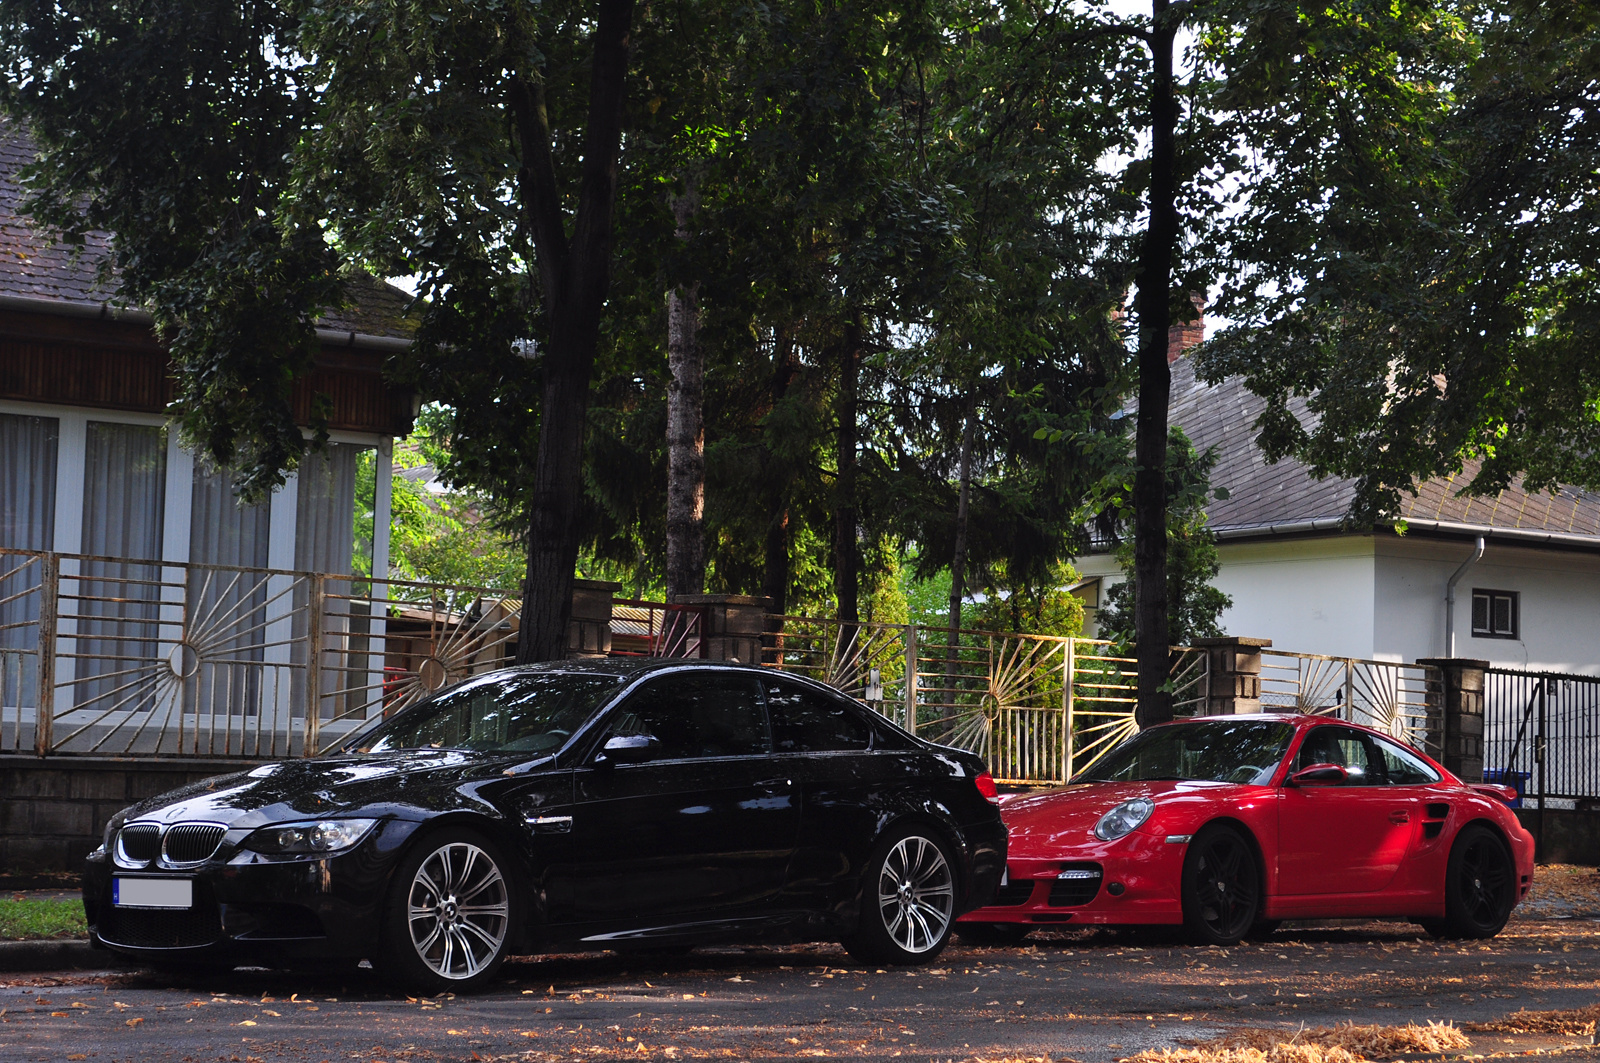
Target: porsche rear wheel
column 1480, row 886
column 1221, row 887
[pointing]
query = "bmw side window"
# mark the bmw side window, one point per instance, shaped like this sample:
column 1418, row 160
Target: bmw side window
column 695, row 716
column 804, row 721
column 1404, row 768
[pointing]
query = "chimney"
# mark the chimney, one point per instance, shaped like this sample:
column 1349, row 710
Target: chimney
column 1181, row 337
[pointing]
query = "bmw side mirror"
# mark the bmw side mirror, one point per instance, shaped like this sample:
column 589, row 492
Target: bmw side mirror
column 1320, row 775
column 628, row 749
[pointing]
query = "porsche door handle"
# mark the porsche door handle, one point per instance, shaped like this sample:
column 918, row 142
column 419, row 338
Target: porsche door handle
column 1400, row 815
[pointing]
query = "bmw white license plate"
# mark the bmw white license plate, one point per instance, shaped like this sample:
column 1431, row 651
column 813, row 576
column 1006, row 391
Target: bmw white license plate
column 152, row 892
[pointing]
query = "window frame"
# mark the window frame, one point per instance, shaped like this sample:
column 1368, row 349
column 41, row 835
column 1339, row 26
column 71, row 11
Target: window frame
column 609, row 717
column 1492, row 595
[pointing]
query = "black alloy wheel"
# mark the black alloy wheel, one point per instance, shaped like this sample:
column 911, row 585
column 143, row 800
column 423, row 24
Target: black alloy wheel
column 1480, row 886
column 908, row 899
column 1221, row 886
column 447, row 925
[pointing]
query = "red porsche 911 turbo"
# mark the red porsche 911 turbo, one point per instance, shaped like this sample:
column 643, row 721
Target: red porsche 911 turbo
column 1228, row 825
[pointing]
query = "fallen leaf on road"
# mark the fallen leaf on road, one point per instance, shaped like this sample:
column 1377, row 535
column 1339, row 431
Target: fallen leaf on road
column 248, row 1022
column 269, row 1011
column 133, row 1022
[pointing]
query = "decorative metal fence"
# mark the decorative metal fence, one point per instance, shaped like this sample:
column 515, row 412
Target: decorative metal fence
column 1390, row 697
column 1039, row 708
column 1542, row 733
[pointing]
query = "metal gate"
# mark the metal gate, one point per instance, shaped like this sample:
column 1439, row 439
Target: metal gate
column 1542, row 730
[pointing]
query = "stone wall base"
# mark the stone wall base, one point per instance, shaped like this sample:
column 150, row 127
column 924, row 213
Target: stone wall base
column 52, row 812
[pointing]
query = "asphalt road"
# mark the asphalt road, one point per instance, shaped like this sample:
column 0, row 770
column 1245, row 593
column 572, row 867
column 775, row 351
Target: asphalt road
column 1087, row 996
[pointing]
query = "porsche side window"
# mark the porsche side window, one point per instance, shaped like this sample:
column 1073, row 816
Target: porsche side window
column 695, row 716
column 1403, row 767
column 1349, row 749
column 804, row 721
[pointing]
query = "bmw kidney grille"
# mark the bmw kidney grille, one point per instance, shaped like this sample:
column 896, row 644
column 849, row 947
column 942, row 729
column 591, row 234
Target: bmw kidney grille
column 180, row 845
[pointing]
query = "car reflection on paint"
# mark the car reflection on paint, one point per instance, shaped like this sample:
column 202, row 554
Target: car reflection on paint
column 613, row 804
column 1229, row 825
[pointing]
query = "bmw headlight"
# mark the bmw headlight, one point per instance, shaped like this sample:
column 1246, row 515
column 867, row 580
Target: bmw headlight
column 320, row 836
column 1125, row 817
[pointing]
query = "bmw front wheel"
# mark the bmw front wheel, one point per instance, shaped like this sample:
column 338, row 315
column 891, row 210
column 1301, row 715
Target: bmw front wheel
column 908, row 900
column 450, row 913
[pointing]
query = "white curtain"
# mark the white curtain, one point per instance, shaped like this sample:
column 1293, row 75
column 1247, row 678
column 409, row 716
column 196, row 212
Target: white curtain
column 124, row 501
column 226, row 600
column 325, row 543
column 28, row 448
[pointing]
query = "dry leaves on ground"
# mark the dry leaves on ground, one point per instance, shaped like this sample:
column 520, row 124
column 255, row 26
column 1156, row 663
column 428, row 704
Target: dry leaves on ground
column 1321, row 1044
column 1576, row 1021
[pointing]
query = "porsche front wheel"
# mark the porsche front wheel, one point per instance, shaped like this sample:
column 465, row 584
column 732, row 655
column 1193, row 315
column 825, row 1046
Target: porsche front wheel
column 1221, row 887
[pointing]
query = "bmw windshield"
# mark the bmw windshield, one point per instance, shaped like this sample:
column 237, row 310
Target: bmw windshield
column 521, row 712
column 1241, row 751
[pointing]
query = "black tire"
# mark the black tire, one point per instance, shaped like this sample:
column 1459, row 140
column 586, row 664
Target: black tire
column 433, row 940
column 1221, row 887
column 1480, row 885
column 1263, row 928
column 908, row 899
column 993, row 934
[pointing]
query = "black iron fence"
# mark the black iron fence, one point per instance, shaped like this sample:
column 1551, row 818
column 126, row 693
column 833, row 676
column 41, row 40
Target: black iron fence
column 1542, row 734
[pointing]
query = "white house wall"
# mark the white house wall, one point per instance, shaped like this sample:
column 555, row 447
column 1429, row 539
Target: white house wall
column 1306, row 595
column 1559, row 595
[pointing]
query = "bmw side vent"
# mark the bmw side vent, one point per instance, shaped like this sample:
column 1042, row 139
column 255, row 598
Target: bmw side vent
column 191, row 843
column 137, row 844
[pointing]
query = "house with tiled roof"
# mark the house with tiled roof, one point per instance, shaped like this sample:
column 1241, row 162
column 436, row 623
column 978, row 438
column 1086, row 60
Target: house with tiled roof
column 1301, row 576
column 129, row 557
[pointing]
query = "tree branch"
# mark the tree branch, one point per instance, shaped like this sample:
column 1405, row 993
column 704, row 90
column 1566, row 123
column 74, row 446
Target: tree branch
column 536, row 180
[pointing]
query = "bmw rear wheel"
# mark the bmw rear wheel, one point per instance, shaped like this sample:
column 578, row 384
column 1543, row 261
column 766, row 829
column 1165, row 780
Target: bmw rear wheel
column 908, row 900
column 1480, row 886
column 1221, row 886
column 450, row 913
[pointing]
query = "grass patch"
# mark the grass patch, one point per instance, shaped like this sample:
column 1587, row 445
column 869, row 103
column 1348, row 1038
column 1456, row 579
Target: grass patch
column 28, row 920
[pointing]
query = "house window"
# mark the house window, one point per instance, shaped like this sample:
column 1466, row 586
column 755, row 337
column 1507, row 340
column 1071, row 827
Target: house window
column 1496, row 614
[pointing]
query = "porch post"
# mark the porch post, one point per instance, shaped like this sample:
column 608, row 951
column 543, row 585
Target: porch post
column 734, row 625
column 1455, row 714
column 44, row 713
column 1233, row 674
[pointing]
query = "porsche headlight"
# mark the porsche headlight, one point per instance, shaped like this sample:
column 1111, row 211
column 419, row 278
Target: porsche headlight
column 1125, row 817
column 320, row 836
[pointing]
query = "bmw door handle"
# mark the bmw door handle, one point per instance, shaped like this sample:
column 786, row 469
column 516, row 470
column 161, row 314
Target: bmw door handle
column 775, row 786
column 1400, row 815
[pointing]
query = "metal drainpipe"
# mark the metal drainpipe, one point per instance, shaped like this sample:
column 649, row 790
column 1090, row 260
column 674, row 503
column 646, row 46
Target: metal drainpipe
column 1450, row 599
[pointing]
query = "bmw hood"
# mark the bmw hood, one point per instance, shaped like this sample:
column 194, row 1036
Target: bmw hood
column 332, row 786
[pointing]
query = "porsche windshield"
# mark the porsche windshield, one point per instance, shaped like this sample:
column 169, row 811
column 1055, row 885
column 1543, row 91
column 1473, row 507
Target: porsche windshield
column 524, row 712
column 1243, row 751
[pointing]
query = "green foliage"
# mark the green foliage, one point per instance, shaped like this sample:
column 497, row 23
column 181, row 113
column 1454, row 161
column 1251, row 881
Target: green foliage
column 1193, row 605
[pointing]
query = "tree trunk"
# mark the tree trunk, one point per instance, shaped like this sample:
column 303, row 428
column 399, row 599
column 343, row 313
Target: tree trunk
column 686, row 436
column 846, row 553
column 1155, row 382
column 575, row 276
column 775, row 563
column 958, row 559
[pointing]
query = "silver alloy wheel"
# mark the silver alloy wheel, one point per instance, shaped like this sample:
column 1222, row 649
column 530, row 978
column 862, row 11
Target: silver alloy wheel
column 458, row 910
column 916, row 894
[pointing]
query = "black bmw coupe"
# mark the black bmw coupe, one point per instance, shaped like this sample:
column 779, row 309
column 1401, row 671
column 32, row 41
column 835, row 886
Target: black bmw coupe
column 607, row 804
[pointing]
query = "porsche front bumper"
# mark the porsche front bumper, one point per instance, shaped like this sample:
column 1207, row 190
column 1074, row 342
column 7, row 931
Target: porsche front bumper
column 1133, row 880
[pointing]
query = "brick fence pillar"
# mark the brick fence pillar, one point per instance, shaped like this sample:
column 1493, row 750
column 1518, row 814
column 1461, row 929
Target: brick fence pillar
column 1233, row 674
column 589, row 629
column 1455, row 715
column 731, row 625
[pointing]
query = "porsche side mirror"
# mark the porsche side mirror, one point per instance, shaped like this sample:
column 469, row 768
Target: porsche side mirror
column 1320, row 775
column 628, row 749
